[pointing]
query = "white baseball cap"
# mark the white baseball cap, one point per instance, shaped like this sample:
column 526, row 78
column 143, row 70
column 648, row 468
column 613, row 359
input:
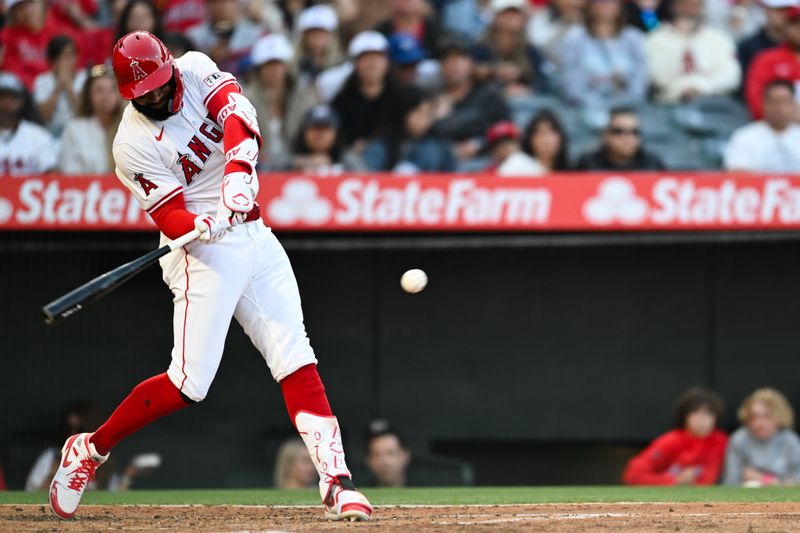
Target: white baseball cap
column 367, row 41
column 274, row 47
column 319, row 17
column 496, row 6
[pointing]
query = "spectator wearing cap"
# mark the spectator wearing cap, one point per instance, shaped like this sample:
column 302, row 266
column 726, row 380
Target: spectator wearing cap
column 227, row 36
column 86, row 143
column 687, row 58
column 411, row 17
column 139, row 15
column 776, row 63
column 464, row 110
column 548, row 27
column 420, row 150
column 504, row 56
column 24, row 39
column 505, row 149
column 56, row 91
column 388, row 456
column 770, row 144
column 271, row 91
column 318, row 148
column 603, row 60
column 25, row 148
column 317, row 42
column 546, row 140
column 621, row 148
column 410, row 64
column 372, row 102
column 770, row 35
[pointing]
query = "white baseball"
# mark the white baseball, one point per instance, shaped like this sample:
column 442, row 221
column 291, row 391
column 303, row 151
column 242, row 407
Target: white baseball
column 414, row 280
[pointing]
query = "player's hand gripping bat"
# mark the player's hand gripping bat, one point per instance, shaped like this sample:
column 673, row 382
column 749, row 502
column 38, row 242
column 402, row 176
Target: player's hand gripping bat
column 75, row 300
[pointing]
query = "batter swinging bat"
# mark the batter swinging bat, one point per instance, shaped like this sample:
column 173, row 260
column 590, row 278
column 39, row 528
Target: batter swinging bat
column 75, row 300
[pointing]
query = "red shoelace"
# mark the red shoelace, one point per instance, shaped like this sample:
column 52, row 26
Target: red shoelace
column 82, row 475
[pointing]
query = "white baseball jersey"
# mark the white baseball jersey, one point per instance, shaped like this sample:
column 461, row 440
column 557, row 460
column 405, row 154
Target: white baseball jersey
column 157, row 160
column 26, row 150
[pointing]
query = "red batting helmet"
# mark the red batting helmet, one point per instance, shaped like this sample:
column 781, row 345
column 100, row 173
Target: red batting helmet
column 142, row 64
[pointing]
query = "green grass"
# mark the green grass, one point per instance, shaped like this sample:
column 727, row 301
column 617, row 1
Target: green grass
column 434, row 496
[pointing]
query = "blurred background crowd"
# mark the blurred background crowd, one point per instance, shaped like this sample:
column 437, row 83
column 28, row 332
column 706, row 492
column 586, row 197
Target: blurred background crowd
column 514, row 87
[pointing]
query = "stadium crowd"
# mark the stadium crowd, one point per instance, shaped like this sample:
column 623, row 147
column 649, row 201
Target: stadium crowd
column 514, row 87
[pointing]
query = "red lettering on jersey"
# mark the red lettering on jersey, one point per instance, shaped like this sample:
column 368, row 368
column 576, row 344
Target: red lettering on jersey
column 189, row 168
column 145, row 183
column 138, row 73
column 212, row 133
column 200, row 150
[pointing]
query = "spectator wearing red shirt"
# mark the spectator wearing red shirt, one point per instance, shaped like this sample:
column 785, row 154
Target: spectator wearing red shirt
column 781, row 63
column 25, row 39
column 690, row 454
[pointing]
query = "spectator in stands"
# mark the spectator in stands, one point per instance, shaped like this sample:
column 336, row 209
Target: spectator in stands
column 602, row 60
column 504, row 56
column 293, row 467
column 24, row 39
column 687, row 58
column 372, row 102
column 420, row 151
column 56, row 91
column 690, row 454
column 464, row 110
column 410, row 66
column 410, row 16
column 25, row 148
column 388, row 456
column 271, row 92
column 508, row 158
column 319, row 149
column 781, row 62
column 179, row 15
column 139, row 15
column 546, row 141
column 768, row 145
column 621, row 148
column 317, row 44
column 765, row 450
column 227, row 36
column 86, row 144
column 768, row 36
column 550, row 25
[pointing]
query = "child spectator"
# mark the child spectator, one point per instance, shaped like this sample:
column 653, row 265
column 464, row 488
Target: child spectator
column 770, row 35
column 504, row 56
column 505, row 148
column 687, row 58
column 546, row 141
column 86, row 144
column 388, row 456
column 226, row 36
column 769, row 145
column 318, row 148
column 139, row 15
column 781, row 62
column 25, row 148
column 56, row 91
column 603, row 60
column 24, row 39
column 690, row 454
column 765, row 450
column 293, row 467
column 621, row 148
column 464, row 111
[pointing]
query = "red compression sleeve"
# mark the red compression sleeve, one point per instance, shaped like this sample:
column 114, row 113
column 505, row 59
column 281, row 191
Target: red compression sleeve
column 303, row 391
column 173, row 219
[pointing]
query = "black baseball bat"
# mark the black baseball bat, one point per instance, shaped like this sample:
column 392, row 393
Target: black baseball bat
column 77, row 299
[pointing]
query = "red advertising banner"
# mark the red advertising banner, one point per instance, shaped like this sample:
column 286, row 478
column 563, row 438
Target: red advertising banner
column 453, row 202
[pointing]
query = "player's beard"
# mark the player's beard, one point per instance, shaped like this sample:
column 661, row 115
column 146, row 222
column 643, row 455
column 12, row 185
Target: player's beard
column 159, row 113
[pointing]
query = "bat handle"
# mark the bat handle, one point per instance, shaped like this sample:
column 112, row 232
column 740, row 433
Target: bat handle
column 183, row 240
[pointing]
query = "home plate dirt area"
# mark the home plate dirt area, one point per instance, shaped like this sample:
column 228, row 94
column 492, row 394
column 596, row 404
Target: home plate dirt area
column 728, row 517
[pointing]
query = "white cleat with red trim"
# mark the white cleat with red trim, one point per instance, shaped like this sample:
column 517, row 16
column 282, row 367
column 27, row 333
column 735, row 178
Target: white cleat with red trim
column 79, row 460
column 323, row 439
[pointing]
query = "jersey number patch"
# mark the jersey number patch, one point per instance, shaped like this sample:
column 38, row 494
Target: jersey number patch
column 144, row 183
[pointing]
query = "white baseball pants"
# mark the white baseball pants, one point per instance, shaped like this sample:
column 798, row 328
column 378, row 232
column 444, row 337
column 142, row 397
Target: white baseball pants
column 246, row 275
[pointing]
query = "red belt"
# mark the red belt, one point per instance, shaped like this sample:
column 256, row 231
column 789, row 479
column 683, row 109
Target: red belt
column 254, row 213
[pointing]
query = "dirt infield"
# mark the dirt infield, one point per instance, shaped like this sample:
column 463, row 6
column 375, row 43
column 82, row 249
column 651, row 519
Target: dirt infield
column 728, row 517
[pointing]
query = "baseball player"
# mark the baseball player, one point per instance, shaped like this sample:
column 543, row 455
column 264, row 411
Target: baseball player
column 187, row 148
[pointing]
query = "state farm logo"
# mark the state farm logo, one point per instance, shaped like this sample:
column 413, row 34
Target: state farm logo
column 6, row 210
column 300, row 202
column 616, row 201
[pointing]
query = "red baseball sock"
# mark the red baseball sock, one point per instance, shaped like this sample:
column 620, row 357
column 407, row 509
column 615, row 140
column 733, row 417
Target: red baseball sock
column 303, row 391
column 149, row 400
